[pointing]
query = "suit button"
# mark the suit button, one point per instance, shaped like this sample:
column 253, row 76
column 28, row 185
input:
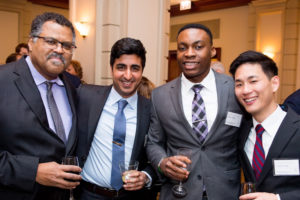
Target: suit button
column 199, row 177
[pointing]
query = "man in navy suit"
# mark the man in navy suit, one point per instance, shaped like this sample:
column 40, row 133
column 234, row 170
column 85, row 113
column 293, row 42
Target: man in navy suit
column 293, row 101
column 270, row 139
column 98, row 122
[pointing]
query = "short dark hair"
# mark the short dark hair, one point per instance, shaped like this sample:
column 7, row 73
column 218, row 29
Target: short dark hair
column 37, row 23
column 197, row 26
column 127, row 46
column 253, row 57
column 21, row 45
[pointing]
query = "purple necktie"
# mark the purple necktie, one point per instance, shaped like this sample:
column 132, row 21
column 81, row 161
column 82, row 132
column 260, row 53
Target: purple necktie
column 199, row 114
column 259, row 153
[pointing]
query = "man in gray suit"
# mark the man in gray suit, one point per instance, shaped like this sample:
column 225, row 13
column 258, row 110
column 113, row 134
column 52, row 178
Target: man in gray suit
column 205, row 121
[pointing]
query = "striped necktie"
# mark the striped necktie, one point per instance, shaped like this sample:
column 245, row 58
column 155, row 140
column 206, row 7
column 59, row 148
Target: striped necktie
column 199, row 119
column 259, row 153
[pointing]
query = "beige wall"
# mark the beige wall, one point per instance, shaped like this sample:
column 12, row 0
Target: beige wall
column 111, row 20
column 233, row 30
column 25, row 12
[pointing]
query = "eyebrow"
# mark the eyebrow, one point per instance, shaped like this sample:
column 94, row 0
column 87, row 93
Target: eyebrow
column 193, row 42
column 248, row 78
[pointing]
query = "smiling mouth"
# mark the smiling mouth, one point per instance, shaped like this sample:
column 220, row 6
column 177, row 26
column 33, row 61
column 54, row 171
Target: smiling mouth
column 250, row 101
column 190, row 65
column 126, row 83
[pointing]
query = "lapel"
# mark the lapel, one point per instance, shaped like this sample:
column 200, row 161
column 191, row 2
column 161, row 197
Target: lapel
column 222, row 95
column 284, row 134
column 28, row 89
column 71, row 143
column 176, row 98
column 143, row 112
column 97, row 104
column 245, row 131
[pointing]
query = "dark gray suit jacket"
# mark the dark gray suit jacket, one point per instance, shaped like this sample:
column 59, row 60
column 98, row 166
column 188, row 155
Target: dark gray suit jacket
column 215, row 162
column 91, row 101
column 284, row 146
column 26, row 139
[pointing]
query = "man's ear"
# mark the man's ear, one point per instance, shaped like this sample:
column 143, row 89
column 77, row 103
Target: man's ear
column 275, row 83
column 30, row 43
column 213, row 52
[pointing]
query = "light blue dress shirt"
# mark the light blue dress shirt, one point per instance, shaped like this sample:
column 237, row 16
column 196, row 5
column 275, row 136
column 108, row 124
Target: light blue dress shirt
column 60, row 97
column 97, row 168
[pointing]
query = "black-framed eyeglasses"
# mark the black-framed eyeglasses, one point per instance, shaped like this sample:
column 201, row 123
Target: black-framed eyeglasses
column 52, row 43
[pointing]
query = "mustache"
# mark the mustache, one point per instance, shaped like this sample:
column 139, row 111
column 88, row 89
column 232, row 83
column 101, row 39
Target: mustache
column 56, row 55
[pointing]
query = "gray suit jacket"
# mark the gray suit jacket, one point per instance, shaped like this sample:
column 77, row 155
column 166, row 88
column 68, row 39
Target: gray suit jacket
column 215, row 162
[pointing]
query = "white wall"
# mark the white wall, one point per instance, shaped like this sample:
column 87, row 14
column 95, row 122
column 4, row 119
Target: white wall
column 233, row 30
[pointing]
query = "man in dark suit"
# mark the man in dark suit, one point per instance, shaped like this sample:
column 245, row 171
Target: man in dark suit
column 106, row 138
column 270, row 139
column 205, row 121
column 293, row 101
column 32, row 142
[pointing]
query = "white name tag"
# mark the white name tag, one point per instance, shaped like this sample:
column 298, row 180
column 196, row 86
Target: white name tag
column 286, row 167
column 233, row 119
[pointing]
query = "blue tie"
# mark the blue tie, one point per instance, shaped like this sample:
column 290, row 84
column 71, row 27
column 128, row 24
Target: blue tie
column 118, row 145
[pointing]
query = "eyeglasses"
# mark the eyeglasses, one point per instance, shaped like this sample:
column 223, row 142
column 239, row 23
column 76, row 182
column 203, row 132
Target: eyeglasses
column 52, row 43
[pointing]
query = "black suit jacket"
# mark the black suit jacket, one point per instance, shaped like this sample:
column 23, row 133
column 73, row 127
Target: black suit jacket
column 285, row 145
column 91, row 100
column 26, row 139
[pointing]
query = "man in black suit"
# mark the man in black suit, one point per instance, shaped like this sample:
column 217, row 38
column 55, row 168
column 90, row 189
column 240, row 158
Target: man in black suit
column 270, row 139
column 100, row 133
column 33, row 139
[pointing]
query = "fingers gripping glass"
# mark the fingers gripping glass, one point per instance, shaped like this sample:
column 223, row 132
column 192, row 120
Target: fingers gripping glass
column 53, row 43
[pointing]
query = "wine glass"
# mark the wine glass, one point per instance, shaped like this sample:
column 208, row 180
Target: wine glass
column 127, row 167
column 247, row 187
column 178, row 190
column 70, row 160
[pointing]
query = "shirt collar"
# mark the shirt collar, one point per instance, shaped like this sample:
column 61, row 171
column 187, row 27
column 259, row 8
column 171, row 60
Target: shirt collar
column 115, row 97
column 207, row 82
column 37, row 77
column 268, row 123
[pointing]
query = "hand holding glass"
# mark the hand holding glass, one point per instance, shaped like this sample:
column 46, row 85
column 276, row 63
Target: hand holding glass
column 126, row 168
column 70, row 160
column 178, row 190
column 247, row 188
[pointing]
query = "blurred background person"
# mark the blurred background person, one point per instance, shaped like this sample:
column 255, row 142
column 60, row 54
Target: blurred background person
column 75, row 69
column 12, row 57
column 22, row 49
column 217, row 66
column 145, row 88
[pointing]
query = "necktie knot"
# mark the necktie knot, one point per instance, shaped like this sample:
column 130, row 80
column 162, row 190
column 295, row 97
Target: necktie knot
column 49, row 85
column 122, row 104
column 197, row 88
column 259, row 130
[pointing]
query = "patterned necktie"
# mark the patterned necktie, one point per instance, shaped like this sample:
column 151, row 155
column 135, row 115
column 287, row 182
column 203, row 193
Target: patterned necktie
column 59, row 126
column 259, row 153
column 118, row 145
column 199, row 114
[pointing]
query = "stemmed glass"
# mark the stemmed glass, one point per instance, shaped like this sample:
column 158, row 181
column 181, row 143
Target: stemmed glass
column 127, row 167
column 247, row 188
column 70, row 160
column 179, row 190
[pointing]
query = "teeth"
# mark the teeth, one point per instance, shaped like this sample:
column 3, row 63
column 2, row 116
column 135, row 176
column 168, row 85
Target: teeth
column 249, row 100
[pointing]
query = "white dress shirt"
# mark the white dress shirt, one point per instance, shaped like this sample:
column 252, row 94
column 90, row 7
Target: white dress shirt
column 208, row 93
column 268, row 136
column 97, row 168
column 60, row 97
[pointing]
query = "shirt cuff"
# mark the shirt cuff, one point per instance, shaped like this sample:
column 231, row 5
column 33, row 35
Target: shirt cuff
column 278, row 197
column 148, row 183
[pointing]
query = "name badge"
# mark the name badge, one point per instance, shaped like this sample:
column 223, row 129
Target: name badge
column 233, row 119
column 286, row 167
